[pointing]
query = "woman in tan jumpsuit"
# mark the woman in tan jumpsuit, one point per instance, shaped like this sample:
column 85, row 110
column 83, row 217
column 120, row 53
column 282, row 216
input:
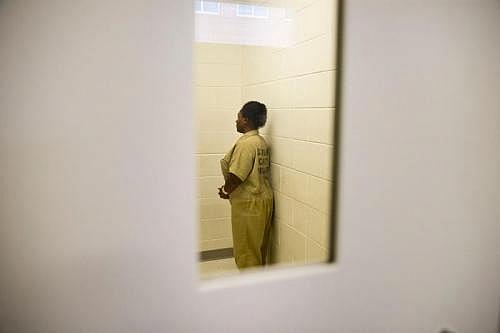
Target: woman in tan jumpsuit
column 246, row 170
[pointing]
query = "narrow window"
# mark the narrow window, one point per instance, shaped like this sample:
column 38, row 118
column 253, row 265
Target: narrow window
column 281, row 57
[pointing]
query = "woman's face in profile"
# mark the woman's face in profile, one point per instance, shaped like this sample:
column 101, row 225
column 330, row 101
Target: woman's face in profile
column 240, row 123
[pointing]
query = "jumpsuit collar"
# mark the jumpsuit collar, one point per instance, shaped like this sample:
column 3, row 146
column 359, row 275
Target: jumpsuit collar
column 252, row 132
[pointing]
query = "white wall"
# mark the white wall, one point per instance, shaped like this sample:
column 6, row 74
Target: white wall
column 96, row 151
column 97, row 197
column 297, row 85
column 217, row 99
column 227, row 27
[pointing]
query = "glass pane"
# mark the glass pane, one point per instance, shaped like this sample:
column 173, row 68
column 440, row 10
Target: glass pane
column 197, row 5
column 211, row 7
column 261, row 11
column 245, row 10
column 275, row 162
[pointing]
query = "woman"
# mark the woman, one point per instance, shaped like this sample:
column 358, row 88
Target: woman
column 246, row 170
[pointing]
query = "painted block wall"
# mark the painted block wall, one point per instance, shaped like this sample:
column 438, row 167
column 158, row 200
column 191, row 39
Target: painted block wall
column 217, row 76
column 226, row 27
column 297, row 85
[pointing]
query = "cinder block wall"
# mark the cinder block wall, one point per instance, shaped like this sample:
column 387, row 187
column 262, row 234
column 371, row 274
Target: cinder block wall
column 217, row 100
column 297, row 85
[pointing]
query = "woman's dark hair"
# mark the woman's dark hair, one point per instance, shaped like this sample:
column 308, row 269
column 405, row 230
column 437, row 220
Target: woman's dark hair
column 256, row 112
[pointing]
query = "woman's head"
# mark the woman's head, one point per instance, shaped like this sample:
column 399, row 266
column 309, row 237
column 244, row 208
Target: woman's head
column 252, row 115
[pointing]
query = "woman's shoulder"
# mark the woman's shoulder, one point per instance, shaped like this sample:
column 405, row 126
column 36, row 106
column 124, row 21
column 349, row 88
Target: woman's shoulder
column 252, row 139
column 252, row 143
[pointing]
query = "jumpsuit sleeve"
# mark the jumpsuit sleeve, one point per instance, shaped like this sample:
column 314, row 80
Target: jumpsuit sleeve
column 224, row 164
column 242, row 161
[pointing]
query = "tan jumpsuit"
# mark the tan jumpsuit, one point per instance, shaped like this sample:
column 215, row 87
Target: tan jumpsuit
column 252, row 200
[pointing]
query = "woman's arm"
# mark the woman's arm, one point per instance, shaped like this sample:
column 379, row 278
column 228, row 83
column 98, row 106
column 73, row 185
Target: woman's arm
column 231, row 184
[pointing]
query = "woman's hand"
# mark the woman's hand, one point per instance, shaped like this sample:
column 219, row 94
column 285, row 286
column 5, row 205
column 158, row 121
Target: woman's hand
column 232, row 182
column 223, row 195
